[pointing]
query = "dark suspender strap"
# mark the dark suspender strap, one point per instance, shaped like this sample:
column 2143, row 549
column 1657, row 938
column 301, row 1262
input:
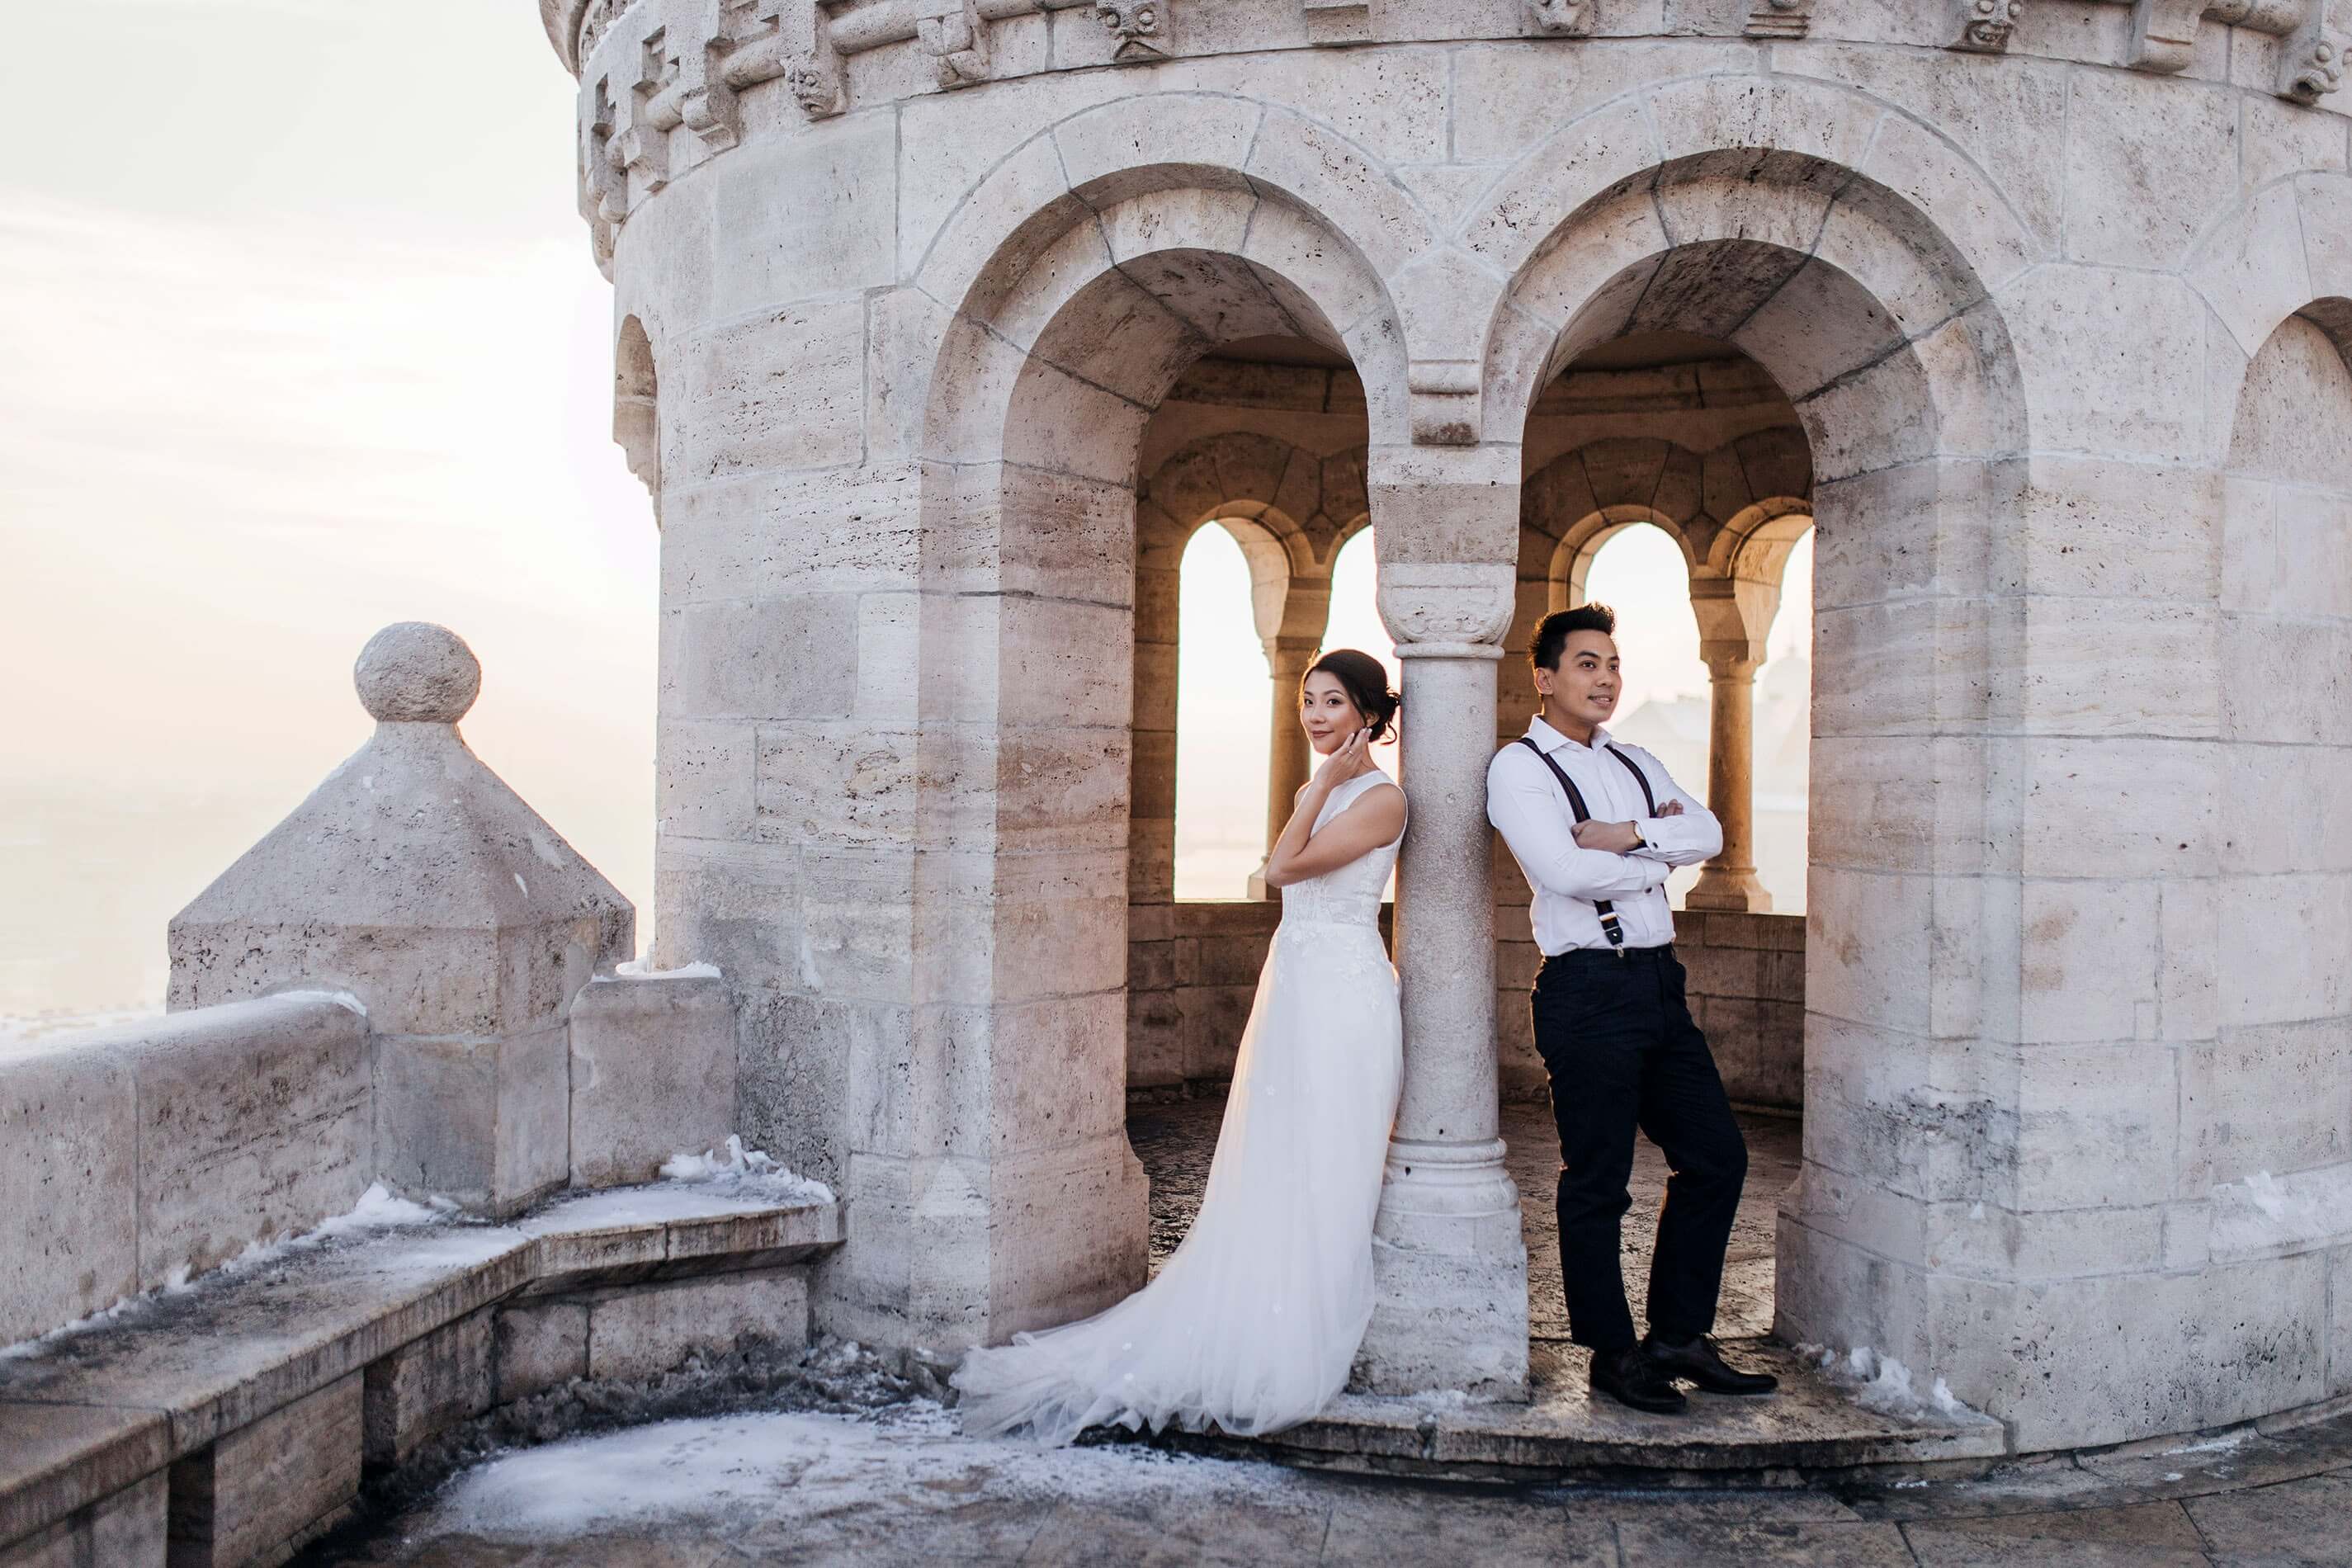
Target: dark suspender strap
column 1638, row 777
column 1606, row 911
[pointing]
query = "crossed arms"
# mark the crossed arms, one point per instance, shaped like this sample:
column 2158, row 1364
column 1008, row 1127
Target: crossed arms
column 1524, row 804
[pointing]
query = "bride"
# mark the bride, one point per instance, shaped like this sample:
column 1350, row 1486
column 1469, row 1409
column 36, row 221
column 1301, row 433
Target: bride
column 1253, row 1324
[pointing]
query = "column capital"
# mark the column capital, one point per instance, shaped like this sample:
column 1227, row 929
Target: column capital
column 1449, row 604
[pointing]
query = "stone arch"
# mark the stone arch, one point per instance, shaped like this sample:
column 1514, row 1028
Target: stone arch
column 2286, row 251
column 2284, row 608
column 636, row 407
column 1068, row 330
column 1269, row 186
column 1853, row 256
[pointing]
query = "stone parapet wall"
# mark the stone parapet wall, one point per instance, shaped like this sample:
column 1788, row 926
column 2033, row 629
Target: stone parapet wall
column 142, row 1154
column 145, row 1153
column 1189, row 997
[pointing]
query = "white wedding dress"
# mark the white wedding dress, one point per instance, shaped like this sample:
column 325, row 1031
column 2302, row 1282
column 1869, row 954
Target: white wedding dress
column 1254, row 1322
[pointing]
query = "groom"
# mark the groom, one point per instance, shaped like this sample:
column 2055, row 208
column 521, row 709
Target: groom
column 1595, row 828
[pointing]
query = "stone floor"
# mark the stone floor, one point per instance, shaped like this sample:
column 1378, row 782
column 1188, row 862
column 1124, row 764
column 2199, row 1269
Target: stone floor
column 900, row 1486
column 1175, row 1142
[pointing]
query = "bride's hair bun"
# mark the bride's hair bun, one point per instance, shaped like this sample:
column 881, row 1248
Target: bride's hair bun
column 1366, row 681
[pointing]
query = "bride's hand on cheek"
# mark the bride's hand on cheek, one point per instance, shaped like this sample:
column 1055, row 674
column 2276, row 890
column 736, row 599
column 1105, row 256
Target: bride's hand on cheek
column 1341, row 764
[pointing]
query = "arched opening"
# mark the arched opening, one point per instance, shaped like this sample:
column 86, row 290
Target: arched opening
column 1069, row 471
column 636, row 407
column 1222, row 753
column 1877, row 399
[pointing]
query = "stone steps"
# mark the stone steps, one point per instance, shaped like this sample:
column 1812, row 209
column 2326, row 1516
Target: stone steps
column 1563, row 1434
column 224, row 1423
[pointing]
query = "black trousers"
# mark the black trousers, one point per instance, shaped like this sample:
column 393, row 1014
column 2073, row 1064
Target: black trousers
column 1617, row 1037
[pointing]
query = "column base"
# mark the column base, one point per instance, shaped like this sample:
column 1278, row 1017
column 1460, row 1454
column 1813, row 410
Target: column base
column 1733, row 888
column 1449, row 1277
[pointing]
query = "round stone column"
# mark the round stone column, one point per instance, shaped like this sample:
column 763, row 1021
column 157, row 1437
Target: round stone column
column 1733, row 616
column 1292, row 626
column 1450, row 1269
column 1728, row 882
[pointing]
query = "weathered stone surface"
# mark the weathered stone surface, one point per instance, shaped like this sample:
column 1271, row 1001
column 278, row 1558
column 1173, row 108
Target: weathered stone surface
column 540, row 1345
column 71, row 1197
column 125, row 1531
column 639, row 1332
column 652, row 1075
column 377, row 1339
column 270, row 1484
column 428, row 1386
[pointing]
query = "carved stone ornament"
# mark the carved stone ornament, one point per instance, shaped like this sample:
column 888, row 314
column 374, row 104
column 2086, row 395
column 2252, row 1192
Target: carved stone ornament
column 1141, row 27
column 599, row 16
column 1561, row 18
column 2311, row 62
column 816, row 84
column 957, row 41
column 1781, row 19
column 1986, row 25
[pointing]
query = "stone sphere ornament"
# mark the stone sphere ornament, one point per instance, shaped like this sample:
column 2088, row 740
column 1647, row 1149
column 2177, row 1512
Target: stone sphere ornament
column 414, row 672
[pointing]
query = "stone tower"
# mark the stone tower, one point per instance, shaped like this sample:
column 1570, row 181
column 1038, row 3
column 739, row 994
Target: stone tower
column 942, row 323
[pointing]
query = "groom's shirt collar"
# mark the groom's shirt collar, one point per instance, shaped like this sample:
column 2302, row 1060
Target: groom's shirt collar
column 1548, row 739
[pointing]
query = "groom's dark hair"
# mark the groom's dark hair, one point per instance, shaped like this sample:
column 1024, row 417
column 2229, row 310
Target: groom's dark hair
column 1552, row 635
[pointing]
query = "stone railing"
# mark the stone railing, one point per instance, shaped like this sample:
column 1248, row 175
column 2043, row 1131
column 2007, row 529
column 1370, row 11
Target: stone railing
column 412, row 979
column 141, row 1154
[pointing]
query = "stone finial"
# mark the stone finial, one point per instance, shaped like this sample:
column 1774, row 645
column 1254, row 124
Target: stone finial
column 414, row 879
column 414, row 672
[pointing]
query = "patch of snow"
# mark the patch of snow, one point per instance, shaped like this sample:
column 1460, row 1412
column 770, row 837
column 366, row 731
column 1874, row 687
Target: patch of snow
column 340, row 998
column 910, row 1457
column 639, row 969
column 520, row 886
column 2268, row 1216
column 748, row 1168
column 1883, row 1383
column 2221, row 1445
column 378, row 1210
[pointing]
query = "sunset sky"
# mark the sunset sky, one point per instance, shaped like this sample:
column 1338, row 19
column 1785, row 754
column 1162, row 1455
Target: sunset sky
column 305, row 339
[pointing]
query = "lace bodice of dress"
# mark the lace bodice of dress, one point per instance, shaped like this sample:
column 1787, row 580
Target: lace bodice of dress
column 1351, row 895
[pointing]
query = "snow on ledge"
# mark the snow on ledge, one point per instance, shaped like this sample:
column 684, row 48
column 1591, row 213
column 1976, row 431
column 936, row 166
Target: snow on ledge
column 377, row 1211
column 739, row 1168
column 636, row 969
column 2276, row 1217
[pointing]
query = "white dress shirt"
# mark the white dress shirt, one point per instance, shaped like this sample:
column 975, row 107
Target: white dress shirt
column 1531, row 812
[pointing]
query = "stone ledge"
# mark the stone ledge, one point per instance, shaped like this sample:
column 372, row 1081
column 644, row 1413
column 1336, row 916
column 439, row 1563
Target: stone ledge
column 1563, row 1435
column 92, row 1414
